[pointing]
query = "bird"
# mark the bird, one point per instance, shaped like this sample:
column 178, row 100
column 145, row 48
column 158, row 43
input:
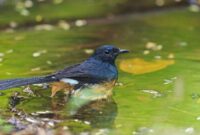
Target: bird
column 98, row 70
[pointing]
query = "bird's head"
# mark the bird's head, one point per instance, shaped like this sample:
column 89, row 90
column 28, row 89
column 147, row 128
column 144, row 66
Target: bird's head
column 108, row 53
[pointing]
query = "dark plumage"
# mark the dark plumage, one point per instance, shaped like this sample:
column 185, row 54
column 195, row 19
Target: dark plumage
column 98, row 68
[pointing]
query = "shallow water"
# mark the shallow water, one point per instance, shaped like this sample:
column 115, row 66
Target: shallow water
column 164, row 100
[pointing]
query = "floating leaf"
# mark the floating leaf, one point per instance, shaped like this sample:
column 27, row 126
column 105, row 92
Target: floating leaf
column 140, row 66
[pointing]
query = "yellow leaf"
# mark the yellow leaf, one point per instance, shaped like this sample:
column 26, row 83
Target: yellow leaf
column 140, row 66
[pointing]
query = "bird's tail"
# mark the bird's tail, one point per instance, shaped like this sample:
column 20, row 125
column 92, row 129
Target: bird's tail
column 6, row 84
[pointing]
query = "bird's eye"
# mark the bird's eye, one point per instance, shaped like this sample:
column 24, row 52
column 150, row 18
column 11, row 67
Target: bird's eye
column 107, row 51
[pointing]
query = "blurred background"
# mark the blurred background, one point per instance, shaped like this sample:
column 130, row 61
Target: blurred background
column 158, row 88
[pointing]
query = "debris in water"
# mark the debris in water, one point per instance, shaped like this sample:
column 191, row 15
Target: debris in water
column 171, row 56
column 145, row 52
column 46, row 27
column 49, row 62
column 38, row 53
column 89, row 51
column 64, row 25
column 158, row 57
column 36, row 69
column 1, row 54
column 80, row 23
column 189, row 130
column 28, row 3
column 9, row 51
column 153, row 92
column 13, row 24
column 38, row 18
column 150, row 45
column 28, row 90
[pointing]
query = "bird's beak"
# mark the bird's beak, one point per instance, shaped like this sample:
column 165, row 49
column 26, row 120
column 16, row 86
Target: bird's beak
column 123, row 51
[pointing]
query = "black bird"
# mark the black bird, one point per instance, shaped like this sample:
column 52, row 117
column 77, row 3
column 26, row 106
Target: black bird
column 100, row 68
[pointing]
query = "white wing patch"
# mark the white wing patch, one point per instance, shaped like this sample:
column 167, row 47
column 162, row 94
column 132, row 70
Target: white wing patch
column 69, row 81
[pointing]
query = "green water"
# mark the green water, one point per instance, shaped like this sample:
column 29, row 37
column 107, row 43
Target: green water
column 174, row 109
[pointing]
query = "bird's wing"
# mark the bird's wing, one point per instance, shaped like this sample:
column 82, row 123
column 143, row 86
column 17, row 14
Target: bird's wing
column 74, row 73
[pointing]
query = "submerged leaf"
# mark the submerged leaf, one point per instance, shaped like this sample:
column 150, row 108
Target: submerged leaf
column 140, row 66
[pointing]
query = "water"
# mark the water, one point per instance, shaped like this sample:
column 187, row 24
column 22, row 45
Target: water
column 164, row 100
